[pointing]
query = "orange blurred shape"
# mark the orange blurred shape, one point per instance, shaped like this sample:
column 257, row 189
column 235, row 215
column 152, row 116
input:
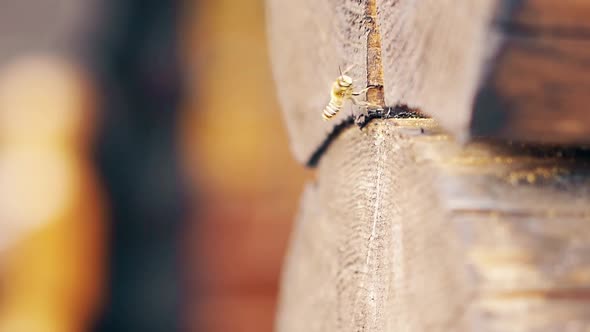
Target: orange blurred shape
column 237, row 154
column 50, row 210
column 234, row 139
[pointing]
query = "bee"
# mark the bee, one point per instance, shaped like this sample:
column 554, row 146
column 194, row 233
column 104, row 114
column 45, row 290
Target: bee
column 342, row 90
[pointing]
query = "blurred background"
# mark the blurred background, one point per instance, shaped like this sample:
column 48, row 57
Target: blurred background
column 146, row 182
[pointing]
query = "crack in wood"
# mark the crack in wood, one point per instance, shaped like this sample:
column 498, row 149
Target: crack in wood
column 375, row 95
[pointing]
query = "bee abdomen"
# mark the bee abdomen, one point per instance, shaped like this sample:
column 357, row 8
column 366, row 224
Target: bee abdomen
column 331, row 110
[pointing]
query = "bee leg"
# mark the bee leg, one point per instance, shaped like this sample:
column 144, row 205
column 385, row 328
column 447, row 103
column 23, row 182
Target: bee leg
column 364, row 104
column 358, row 93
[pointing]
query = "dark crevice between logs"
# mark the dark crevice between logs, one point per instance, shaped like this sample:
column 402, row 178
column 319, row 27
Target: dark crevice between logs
column 361, row 121
column 396, row 112
column 375, row 80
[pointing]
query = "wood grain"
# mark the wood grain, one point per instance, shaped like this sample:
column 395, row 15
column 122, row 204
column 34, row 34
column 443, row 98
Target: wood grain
column 417, row 233
column 309, row 41
column 491, row 68
column 481, row 68
column 433, row 55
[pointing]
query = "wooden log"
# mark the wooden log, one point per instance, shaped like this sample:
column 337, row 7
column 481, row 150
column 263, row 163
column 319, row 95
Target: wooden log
column 491, row 68
column 405, row 230
column 481, row 68
column 309, row 41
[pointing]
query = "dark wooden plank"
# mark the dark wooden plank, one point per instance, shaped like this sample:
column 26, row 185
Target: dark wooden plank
column 537, row 92
column 502, row 69
column 405, row 229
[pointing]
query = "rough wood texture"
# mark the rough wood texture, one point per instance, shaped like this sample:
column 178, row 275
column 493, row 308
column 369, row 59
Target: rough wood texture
column 434, row 53
column 404, row 230
column 481, row 68
column 309, row 41
column 491, row 68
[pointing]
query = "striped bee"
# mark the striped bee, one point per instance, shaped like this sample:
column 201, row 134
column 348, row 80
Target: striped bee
column 342, row 90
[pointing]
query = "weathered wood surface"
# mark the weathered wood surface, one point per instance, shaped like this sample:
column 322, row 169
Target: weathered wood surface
column 434, row 53
column 498, row 68
column 309, row 41
column 405, row 230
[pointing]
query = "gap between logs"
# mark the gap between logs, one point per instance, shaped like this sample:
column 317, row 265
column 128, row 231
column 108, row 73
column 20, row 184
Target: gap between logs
column 375, row 94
